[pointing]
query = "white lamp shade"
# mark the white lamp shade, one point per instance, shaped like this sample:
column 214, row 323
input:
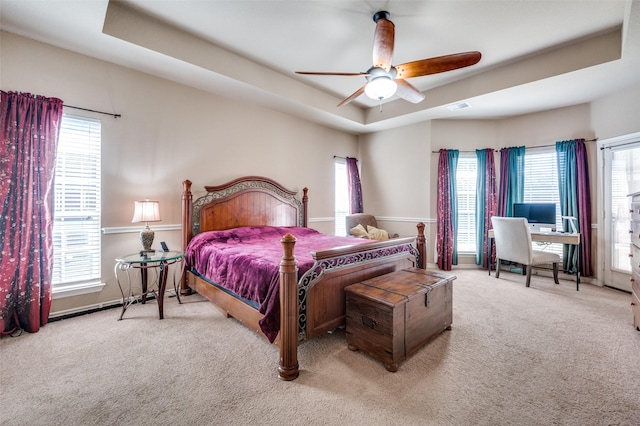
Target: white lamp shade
column 380, row 88
column 146, row 211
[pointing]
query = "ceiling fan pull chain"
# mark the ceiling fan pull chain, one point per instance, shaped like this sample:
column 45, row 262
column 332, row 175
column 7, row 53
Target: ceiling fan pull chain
column 380, row 104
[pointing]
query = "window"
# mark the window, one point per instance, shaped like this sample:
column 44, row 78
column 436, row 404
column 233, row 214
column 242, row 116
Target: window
column 76, row 227
column 342, row 196
column 466, row 175
column 541, row 186
column 541, row 179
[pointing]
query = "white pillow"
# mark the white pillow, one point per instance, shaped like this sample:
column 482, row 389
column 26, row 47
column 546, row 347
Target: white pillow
column 377, row 234
column 359, row 231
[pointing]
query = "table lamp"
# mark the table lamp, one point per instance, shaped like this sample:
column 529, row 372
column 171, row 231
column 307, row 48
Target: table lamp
column 146, row 211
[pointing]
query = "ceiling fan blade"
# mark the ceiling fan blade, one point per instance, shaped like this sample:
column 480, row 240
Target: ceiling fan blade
column 354, row 95
column 407, row 92
column 348, row 74
column 383, row 43
column 437, row 64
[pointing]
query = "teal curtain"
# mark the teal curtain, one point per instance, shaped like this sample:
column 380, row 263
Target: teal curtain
column 511, row 179
column 453, row 190
column 575, row 200
column 567, row 170
column 485, row 202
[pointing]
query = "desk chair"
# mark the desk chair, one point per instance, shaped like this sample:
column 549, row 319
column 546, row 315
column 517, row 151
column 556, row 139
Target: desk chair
column 513, row 243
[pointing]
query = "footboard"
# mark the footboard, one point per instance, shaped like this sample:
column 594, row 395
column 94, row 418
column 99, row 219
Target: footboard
column 321, row 290
column 321, row 297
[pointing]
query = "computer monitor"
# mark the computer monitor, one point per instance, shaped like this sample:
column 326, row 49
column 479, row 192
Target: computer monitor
column 539, row 215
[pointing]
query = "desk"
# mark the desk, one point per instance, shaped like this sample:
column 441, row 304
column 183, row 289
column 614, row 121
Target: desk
column 545, row 237
column 156, row 260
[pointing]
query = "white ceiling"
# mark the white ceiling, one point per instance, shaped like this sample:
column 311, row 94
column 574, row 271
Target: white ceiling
column 536, row 55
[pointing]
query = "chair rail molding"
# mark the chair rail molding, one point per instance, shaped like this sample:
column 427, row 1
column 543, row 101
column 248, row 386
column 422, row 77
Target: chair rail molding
column 136, row 229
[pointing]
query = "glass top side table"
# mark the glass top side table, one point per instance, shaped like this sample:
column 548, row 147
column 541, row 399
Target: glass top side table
column 159, row 262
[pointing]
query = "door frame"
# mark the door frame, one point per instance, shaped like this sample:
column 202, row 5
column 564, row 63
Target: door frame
column 610, row 277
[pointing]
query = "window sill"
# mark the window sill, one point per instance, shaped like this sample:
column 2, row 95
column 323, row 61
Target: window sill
column 61, row 292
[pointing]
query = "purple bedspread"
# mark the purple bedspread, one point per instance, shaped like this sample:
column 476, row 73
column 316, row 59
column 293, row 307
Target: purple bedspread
column 246, row 261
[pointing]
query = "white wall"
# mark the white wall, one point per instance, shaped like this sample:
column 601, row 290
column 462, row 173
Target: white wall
column 168, row 133
column 395, row 176
column 613, row 115
column 617, row 114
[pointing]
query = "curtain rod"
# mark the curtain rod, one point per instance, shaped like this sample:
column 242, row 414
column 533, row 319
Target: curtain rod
column 93, row 110
column 531, row 147
column 602, row 148
column 75, row 107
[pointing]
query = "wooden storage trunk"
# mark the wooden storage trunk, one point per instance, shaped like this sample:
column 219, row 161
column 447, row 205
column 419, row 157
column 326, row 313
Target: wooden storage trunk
column 392, row 316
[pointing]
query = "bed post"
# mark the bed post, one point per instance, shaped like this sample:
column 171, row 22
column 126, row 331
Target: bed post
column 305, row 202
column 288, row 369
column 187, row 212
column 421, row 246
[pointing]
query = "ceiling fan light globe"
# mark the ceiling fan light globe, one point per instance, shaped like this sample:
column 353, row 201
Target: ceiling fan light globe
column 380, row 88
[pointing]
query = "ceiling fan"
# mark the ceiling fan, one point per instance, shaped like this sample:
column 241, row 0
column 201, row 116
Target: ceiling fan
column 384, row 80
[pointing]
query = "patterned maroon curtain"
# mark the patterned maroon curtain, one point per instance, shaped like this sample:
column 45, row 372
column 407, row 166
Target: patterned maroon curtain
column 29, row 128
column 445, row 237
column 584, row 207
column 355, row 189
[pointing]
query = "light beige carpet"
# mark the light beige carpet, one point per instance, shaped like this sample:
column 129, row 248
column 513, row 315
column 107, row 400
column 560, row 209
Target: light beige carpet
column 545, row 355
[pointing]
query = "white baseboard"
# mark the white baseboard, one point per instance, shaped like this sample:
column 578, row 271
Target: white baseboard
column 95, row 307
column 84, row 309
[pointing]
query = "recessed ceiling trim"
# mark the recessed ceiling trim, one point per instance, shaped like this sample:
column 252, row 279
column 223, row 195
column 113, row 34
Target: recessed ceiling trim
column 133, row 26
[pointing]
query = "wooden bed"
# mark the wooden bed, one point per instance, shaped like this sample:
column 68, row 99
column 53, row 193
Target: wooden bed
column 309, row 305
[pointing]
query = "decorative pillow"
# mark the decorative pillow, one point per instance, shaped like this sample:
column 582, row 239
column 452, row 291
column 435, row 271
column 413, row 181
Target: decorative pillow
column 359, row 231
column 377, row 234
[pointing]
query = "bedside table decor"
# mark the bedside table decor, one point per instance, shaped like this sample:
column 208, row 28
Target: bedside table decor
column 146, row 211
column 159, row 262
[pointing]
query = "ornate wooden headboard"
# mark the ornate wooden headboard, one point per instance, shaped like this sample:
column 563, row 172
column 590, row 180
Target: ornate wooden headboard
column 246, row 201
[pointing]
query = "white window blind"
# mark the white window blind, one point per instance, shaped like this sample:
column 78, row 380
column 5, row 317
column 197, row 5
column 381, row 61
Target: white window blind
column 341, row 196
column 541, row 186
column 466, row 176
column 541, row 179
column 76, row 227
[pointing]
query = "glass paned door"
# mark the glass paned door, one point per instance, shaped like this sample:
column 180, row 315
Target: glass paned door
column 622, row 177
